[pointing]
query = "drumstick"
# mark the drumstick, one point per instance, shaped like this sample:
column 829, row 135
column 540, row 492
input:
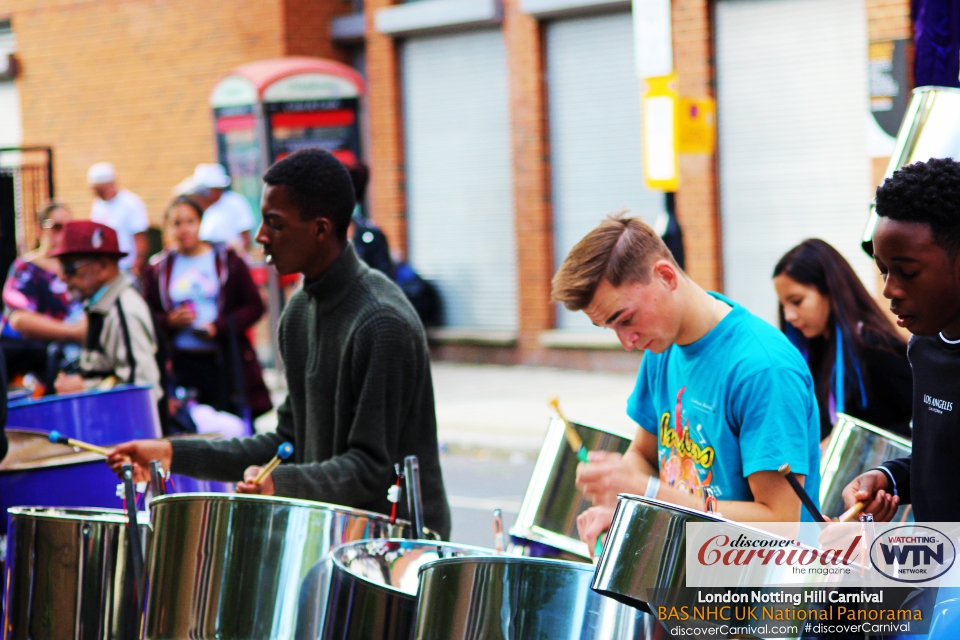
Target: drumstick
column 852, row 512
column 787, row 473
column 58, row 438
column 573, row 439
column 284, row 451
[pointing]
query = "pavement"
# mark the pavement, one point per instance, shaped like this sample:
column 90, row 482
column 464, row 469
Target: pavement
column 504, row 408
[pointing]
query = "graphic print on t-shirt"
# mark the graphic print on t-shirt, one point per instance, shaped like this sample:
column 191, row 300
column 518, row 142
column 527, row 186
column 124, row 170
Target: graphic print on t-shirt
column 684, row 463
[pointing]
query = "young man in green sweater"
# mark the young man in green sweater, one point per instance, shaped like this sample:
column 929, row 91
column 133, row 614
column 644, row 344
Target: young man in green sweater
column 360, row 394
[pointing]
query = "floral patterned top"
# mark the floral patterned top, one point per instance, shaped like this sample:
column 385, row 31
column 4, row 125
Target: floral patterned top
column 32, row 288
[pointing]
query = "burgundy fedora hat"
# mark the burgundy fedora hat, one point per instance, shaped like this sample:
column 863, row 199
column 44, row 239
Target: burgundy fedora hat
column 88, row 237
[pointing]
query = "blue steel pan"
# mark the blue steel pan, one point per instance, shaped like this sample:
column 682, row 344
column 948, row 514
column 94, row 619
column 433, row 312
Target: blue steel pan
column 126, row 412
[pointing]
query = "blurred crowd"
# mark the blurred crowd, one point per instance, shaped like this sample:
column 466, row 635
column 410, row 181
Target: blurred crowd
column 91, row 306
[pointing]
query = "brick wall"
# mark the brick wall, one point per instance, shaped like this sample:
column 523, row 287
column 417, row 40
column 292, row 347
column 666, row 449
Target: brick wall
column 387, row 197
column 697, row 199
column 531, row 187
column 127, row 81
column 306, row 27
column 888, row 20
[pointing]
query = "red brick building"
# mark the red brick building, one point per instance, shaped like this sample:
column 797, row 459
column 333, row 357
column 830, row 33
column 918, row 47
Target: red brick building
column 499, row 131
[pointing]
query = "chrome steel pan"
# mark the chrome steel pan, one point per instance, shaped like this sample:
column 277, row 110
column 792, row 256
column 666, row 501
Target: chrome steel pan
column 240, row 566
column 515, row 598
column 373, row 591
column 855, row 447
column 547, row 522
column 643, row 562
column 68, row 575
column 930, row 129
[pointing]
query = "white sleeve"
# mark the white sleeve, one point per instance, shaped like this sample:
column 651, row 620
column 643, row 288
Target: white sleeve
column 137, row 220
column 244, row 214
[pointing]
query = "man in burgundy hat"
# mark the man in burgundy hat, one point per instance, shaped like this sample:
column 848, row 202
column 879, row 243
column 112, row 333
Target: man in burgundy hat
column 120, row 341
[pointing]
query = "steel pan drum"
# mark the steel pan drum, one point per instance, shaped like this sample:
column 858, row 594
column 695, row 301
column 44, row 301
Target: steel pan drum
column 68, row 575
column 643, row 563
column 36, row 471
column 547, row 522
column 238, row 566
column 855, row 447
column 930, row 129
column 373, row 592
column 126, row 412
column 517, row 598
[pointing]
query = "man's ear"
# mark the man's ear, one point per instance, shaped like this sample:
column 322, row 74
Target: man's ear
column 324, row 227
column 665, row 271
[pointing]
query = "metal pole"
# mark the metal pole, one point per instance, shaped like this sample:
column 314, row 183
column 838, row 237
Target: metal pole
column 411, row 467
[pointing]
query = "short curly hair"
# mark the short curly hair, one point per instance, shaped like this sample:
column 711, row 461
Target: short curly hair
column 318, row 184
column 927, row 192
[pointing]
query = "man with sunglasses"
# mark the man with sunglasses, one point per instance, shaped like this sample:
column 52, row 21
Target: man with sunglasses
column 120, row 340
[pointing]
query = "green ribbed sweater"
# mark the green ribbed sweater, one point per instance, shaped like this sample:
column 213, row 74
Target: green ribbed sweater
column 360, row 398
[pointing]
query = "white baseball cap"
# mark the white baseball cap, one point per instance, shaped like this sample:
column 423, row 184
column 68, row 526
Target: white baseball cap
column 101, row 173
column 185, row 187
column 211, row 176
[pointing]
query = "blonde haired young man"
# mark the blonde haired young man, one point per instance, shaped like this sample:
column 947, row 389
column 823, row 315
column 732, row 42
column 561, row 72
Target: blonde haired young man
column 722, row 398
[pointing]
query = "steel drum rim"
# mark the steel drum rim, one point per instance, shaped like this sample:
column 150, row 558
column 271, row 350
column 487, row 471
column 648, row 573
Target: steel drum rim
column 613, row 431
column 334, row 557
column 935, row 88
column 872, row 428
column 66, row 460
column 120, row 388
column 76, row 514
column 653, row 502
column 293, row 502
column 519, row 560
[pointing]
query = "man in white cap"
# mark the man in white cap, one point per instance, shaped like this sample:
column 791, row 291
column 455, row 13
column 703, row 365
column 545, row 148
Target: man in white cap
column 122, row 211
column 227, row 217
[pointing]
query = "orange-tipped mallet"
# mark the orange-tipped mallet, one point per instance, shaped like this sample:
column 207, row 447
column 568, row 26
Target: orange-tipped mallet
column 573, row 438
column 284, row 451
column 58, row 438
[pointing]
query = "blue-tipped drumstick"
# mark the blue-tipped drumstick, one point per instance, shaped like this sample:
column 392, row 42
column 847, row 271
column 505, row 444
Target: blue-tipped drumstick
column 573, row 439
column 58, row 438
column 284, row 451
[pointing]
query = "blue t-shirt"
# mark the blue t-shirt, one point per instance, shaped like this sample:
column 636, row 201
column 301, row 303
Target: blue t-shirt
column 194, row 280
column 737, row 401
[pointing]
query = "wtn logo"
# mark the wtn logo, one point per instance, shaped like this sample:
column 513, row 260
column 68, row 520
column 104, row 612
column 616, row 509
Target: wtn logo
column 912, row 553
column 922, row 554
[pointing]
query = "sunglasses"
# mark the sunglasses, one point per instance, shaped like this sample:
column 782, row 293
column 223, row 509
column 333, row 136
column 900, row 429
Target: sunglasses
column 70, row 268
column 51, row 225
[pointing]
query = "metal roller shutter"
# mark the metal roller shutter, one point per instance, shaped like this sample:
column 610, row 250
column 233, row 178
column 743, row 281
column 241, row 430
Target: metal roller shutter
column 593, row 95
column 459, row 186
column 792, row 114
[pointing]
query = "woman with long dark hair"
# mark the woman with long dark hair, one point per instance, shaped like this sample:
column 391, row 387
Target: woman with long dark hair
column 204, row 300
column 857, row 358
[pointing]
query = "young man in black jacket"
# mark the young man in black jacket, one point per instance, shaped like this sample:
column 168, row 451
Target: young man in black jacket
column 917, row 247
column 360, row 393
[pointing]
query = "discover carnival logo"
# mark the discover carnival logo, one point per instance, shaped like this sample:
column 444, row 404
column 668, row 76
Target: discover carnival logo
column 725, row 554
column 912, row 553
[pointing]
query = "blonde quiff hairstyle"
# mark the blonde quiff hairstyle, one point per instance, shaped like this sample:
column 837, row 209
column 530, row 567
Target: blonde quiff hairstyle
column 621, row 250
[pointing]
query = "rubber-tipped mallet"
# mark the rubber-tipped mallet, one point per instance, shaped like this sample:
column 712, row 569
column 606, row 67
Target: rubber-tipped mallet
column 573, row 438
column 58, row 438
column 787, row 473
column 284, row 451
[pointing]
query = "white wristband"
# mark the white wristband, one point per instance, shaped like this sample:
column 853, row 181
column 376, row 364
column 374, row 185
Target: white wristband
column 653, row 487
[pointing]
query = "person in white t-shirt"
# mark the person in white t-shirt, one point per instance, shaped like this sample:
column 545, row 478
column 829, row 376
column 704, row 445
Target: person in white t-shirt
column 122, row 211
column 227, row 216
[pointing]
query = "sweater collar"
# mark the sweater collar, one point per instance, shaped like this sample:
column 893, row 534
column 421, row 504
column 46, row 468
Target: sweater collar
column 334, row 284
